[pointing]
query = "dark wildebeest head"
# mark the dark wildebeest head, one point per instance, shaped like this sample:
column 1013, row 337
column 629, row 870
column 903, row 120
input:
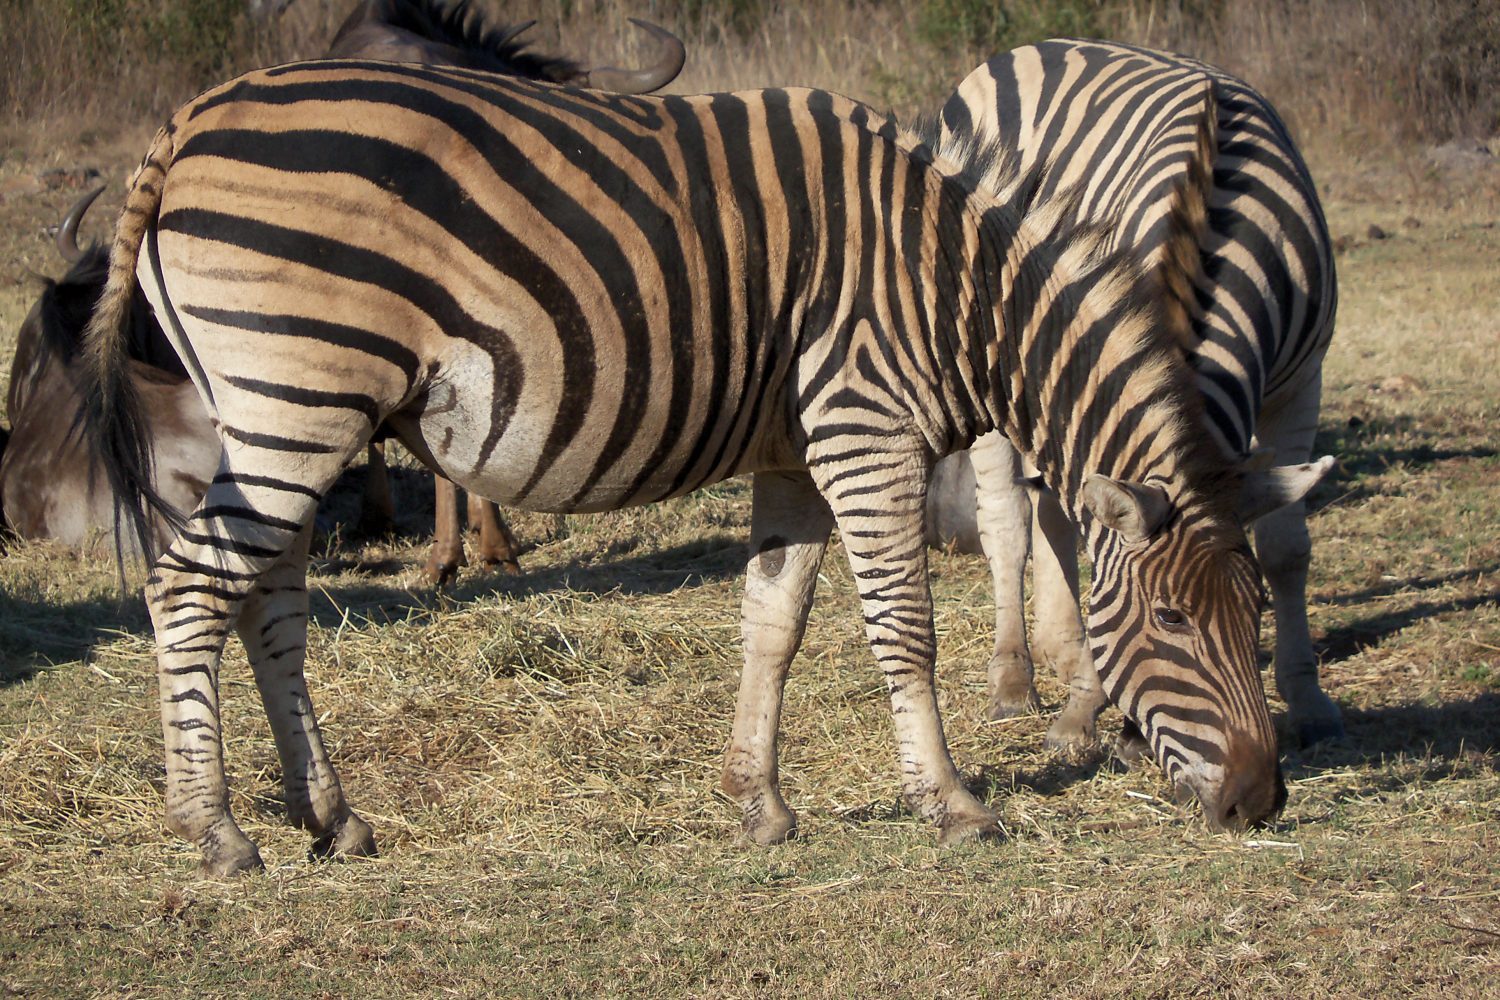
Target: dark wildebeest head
column 444, row 34
column 48, row 485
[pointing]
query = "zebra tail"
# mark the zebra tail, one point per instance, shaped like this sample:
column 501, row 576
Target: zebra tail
column 112, row 416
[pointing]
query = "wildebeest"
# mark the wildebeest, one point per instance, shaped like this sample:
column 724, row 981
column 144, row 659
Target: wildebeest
column 47, row 489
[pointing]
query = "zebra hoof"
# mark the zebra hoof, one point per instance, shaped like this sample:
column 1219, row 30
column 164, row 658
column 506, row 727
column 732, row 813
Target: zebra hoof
column 227, row 863
column 958, row 829
column 1131, row 748
column 767, row 830
column 1319, row 722
column 1011, row 691
column 352, row 838
column 1069, row 733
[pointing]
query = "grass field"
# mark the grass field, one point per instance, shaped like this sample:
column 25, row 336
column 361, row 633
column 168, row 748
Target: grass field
column 540, row 755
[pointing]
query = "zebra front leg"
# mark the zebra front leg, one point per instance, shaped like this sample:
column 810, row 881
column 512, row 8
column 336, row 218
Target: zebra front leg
column 273, row 628
column 1004, row 515
column 878, row 505
column 1284, row 550
column 1059, row 631
column 497, row 546
column 447, row 553
column 790, row 524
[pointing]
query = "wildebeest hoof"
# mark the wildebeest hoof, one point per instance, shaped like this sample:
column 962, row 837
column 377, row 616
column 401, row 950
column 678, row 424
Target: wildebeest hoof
column 1317, row 722
column 351, row 838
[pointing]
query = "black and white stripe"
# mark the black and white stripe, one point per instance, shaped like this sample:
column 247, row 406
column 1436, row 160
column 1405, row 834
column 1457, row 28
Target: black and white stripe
column 571, row 300
column 1191, row 169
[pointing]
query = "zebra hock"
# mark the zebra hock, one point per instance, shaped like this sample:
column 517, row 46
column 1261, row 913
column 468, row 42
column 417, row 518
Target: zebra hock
column 1192, row 169
column 567, row 300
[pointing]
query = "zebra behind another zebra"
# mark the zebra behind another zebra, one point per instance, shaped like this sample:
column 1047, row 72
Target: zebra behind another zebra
column 1194, row 170
column 574, row 301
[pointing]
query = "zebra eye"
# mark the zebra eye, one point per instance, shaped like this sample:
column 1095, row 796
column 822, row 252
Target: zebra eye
column 1172, row 620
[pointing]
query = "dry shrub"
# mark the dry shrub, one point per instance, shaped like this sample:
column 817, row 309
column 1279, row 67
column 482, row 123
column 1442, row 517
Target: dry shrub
column 1353, row 71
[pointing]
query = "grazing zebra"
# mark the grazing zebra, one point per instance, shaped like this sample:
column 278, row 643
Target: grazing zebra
column 570, row 300
column 1192, row 169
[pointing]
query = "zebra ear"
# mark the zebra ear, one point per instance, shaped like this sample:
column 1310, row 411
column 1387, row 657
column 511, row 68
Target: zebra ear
column 1269, row 490
column 1135, row 510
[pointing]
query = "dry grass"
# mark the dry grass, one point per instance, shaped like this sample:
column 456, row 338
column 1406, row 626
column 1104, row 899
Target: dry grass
column 539, row 756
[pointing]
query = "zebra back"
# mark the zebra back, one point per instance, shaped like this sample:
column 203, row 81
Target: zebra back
column 1178, row 159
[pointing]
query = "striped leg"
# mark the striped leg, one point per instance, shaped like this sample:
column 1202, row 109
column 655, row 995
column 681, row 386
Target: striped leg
column 242, row 527
column 497, row 546
column 273, row 627
column 1059, row 631
column 1284, row 550
column 878, row 507
column 1005, row 534
column 790, row 525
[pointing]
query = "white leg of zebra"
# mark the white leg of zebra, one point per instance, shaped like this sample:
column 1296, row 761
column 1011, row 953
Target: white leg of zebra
column 1284, row 550
column 1059, row 635
column 881, row 525
column 245, row 525
column 790, row 525
column 1005, row 535
column 273, row 627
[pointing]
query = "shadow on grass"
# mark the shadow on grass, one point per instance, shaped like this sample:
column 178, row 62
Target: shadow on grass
column 1457, row 739
column 36, row 635
column 720, row 556
column 1347, row 640
column 1366, row 448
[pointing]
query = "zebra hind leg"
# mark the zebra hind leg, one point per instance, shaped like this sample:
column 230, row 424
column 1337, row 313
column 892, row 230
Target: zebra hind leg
column 1059, row 637
column 790, row 525
column 273, row 628
column 1004, row 515
column 244, row 525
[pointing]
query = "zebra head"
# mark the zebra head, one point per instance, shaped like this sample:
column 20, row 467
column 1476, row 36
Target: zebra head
column 1174, row 623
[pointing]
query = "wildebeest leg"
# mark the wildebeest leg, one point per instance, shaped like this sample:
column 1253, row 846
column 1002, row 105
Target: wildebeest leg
column 447, row 553
column 377, row 514
column 497, row 546
column 273, row 627
column 878, row 500
column 1059, row 635
column 1005, row 534
column 1284, row 549
column 790, row 525
column 242, row 527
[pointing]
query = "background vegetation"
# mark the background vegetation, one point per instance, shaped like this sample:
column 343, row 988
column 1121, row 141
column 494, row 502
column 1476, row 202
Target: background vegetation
column 1385, row 68
column 539, row 755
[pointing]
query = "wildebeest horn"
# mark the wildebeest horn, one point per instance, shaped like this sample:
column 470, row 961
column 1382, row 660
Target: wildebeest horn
column 67, row 232
column 510, row 31
column 642, row 81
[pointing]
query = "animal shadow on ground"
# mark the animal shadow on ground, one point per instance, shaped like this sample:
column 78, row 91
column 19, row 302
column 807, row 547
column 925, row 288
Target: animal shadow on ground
column 1366, row 447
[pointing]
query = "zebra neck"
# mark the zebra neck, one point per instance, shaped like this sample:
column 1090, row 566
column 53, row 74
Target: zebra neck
column 1086, row 377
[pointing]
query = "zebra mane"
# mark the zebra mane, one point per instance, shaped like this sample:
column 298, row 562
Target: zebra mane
column 458, row 23
column 1153, row 322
